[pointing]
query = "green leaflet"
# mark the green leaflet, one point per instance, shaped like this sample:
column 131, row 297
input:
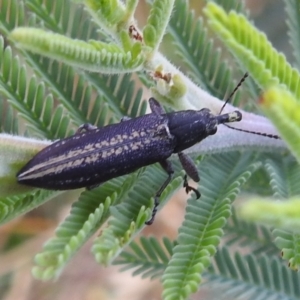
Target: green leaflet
column 9, row 123
column 288, row 242
column 92, row 56
column 284, row 176
column 157, row 22
column 148, row 257
column 130, row 8
column 279, row 214
column 16, row 13
column 15, row 206
column 107, row 12
column 283, row 109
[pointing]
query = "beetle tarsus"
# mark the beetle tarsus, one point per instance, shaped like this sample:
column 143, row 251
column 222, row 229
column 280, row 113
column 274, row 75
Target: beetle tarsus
column 189, row 188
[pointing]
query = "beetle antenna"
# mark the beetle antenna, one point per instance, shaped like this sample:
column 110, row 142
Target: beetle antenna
column 272, row 136
column 234, row 91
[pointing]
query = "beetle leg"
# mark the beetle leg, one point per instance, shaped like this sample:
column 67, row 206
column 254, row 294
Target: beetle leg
column 155, row 107
column 85, row 127
column 189, row 166
column 167, row 166
column 191, row 170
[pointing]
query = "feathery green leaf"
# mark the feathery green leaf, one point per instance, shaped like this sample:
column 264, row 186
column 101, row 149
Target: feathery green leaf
column 253, row 50
column 87, row 214
column 149, row 257
column 194, row 47
column 249, row 236
column 201, row 230
column 14, row 206
column 292, row 8
column 128, row 218
column 288, row 242
column 92, row 56
column 246, row 277
column 157, row 22
column 283, row 109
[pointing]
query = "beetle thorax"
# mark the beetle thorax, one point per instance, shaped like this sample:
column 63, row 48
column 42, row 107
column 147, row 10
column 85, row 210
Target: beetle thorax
column 191, row 127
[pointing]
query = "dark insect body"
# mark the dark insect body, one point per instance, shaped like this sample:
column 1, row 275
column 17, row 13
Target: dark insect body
column 95, row 155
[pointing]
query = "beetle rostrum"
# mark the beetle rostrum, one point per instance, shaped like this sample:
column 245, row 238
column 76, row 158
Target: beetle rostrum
column 95, row 155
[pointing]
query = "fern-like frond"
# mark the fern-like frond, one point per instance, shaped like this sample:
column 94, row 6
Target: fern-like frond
column 249, row 236
column 65, row 97
column 11, row 14
column 86, row 216
column 253, row 50
column 278, row 214
column 288, row 242
column 12, row 207
column 29, row 98
column 92, row 56
column 119, row 92
column 249, row 277
column 58, row 17
column 198, row 52
column 116, row 95
column 292, row 8
column 157, row 22
column 91, row 211
column 76, row 89
column 284, row 177
column 201, row 230
column 109, row 15
column 8, row 121
column 65, row 18
column 148, row 257
column 128, row 218
column 131, row 6
column 259, row 182
column 283, row 109
column 228, row 5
